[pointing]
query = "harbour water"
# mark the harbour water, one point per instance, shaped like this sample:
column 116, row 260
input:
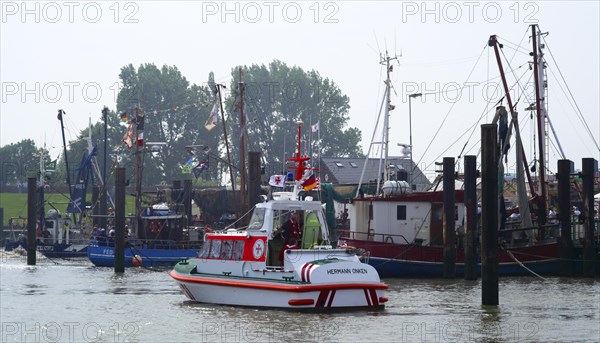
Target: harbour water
column 73, row 301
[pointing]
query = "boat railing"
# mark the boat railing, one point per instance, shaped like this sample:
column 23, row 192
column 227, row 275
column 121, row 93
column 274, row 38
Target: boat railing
column 379, row 237
column 137, row 243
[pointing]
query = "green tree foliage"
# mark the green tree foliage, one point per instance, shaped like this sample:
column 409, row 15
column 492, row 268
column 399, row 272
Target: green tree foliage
column 276, row 97
column 19, row 161
column 174, row 112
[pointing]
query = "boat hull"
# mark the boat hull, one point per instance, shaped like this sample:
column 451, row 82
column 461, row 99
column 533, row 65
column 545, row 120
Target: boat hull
column 57, row 250
column 239, row 291
column 103, row 256
column 406, row 260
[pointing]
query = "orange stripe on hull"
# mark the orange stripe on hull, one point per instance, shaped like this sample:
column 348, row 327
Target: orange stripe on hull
column 274, row 287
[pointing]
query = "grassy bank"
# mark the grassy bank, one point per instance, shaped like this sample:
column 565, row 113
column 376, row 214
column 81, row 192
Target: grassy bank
column 15, row 204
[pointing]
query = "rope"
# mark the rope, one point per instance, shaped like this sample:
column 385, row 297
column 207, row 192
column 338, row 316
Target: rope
column 522, row 265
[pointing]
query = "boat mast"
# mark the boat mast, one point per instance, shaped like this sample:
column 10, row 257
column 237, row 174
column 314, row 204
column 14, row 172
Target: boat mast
column 493, row 42
column 41, row 192
column 243, row 194
column 386, row 121
column 61, row 113
column 138, row 173
column 538, row 69
column 300, row 168
column 104, row 192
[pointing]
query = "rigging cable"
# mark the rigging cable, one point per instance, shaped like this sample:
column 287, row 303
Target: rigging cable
column 450, row 110
column 580, row 114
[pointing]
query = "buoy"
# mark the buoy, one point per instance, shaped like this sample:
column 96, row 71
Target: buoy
column 136, row 260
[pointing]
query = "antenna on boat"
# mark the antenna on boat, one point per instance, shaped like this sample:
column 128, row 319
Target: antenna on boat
column 300, row 168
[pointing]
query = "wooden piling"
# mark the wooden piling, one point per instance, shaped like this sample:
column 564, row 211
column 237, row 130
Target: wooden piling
column 489, row 215
column 102, row 221
column 96, row 203
column 471, row 206
column 565, row 242
column 32, row 206
column 254, row 178
column 187, row 200
column 589, row 166
column 119, row 220
column 449, row 219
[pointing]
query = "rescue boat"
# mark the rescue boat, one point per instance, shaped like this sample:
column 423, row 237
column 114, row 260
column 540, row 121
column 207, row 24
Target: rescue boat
column 260, row 267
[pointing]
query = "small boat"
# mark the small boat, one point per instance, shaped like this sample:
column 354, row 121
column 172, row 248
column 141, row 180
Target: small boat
column 57, row 239
column 163, row 241
column 280, row 262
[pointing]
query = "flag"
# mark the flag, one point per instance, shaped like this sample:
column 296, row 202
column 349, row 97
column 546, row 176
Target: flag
column 140, row 130
column 128, row 137
column 50, row 166
column 277, row 181
column 199, row 168
column 188, row 166
column 213, row 118
column 315, row 127
column 310, row 183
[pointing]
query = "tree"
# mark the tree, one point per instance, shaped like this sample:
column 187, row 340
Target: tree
column 174, row 113
column 19, row 161
column 276, row 97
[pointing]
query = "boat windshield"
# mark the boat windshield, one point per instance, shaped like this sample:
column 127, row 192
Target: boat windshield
column 257, row 220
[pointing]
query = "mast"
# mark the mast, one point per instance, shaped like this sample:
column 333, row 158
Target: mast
column 226, row 142
column 386, row 120
column 138, row 173
column 494, row 43
column 538, row 68
column 62, row 129
column 300, row 168
column 103, row 209
column 41, row 192
column 243, row 194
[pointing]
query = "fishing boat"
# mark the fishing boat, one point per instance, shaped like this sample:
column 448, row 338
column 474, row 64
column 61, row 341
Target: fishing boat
column 58, row 235
column 278, row 262
column 402, row 231
column 57, row 239
column 163, row 240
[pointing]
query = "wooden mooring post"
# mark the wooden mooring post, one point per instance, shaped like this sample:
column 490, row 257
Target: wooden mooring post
column 471, row 235
column 565, row 241
column 187, row 201
column 254, row 179
column 119, row 220
column 589, row 166
column 449, row 219
column 32, row 206
column 489, row 214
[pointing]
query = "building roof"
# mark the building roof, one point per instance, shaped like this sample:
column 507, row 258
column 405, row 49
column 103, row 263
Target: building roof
column 347, row 170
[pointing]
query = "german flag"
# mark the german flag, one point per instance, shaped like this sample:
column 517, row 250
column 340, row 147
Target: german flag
column 310, row 183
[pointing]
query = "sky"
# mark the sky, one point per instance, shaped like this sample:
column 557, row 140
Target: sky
column 67, row 55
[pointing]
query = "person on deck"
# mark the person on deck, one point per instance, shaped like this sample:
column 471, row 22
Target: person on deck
column 292, row 228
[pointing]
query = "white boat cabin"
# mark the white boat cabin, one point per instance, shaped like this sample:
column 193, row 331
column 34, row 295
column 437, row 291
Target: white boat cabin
column 261, row 241
column 413, row 218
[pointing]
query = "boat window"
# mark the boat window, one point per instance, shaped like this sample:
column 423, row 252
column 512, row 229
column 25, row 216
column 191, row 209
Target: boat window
column 205, row 249
column 257, row 220
column 401, row 212
column 238, row 249
column 49, row 224
column 226, row 248
column 215, row 249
